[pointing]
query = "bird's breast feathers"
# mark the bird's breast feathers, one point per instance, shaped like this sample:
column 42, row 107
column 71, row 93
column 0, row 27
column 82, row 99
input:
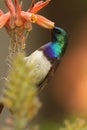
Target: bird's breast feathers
column 40, row 66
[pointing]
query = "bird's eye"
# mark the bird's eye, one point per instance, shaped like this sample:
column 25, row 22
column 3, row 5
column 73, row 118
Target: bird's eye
column 58, row 31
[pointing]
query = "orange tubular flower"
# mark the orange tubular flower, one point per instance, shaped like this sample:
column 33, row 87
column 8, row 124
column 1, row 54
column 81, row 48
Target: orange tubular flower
column 35, row 18
column 4, row 18
column 15, row 17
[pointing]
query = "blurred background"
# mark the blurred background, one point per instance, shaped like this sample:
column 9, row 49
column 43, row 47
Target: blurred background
column 67, row 91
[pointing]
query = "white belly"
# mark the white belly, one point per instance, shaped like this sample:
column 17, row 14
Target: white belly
column 39, row 65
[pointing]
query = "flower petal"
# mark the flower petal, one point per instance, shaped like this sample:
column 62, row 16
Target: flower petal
column 3, row 19
column 17, row 6
column 44, row 22
column 10, row 6
column 1, row 12
column 19, row 21
column 39, row 5
column 31, row 6
column 25, row 15
column 29, row 16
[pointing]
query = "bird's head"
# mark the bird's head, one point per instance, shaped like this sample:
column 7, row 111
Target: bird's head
column 58, row 44
column 58, row 35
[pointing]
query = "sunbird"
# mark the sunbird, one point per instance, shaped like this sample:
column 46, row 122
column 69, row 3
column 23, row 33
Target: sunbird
column 46, row 59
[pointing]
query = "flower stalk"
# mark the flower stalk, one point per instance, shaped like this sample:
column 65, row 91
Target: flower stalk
column 17, row 43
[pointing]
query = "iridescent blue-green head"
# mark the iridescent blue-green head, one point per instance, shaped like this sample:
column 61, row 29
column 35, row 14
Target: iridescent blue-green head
column 58, row 35
column 59, row 41
column 56, row 47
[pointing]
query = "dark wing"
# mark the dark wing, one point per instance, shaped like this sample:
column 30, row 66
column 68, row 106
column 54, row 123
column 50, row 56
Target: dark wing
column 49, row 75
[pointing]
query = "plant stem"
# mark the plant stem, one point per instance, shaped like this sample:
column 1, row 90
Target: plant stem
column 15, row 44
